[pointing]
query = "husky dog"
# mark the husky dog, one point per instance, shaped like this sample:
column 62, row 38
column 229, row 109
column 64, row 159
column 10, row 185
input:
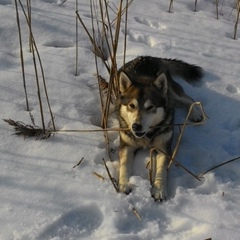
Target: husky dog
column 147, row 98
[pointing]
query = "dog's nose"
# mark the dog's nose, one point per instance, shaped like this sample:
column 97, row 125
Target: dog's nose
column 136, row 127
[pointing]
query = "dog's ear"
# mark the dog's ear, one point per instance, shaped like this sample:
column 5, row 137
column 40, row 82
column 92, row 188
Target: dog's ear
column 124, row 82
column 161, row 83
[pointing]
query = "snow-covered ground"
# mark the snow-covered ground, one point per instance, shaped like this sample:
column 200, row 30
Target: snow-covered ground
column 43, row 197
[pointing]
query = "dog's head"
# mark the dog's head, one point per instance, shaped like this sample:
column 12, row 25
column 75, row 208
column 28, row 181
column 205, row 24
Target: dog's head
column 142, row 102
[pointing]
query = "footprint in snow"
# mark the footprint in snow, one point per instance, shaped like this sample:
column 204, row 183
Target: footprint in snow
column 149, row 23
column 75, row 224
column 138, row 37
column 230, row 88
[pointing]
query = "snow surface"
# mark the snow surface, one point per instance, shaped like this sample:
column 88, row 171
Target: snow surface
column 43, row 197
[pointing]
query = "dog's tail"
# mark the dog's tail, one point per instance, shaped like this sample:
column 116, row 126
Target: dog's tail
column 190, row 73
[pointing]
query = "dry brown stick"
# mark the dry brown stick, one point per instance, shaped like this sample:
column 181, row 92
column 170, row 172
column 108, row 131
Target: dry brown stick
column 216, row 2
column 78, row 162
column 105, row 27
column 41, row 66
column 152, row 164
column 217, row 166
column 195, row 9
column 123, row 11
column 183, row 128
column 113, row 181
column 21, row 56
column 76, row 35
column 125, row 34
column 96, row 49
column 30, row 23
column 137, row 214
column 92, row 130
column 170, row 6
column 237, row 19
column 112, row 85
column 38, row 86
column 98, row 175
column 62, row 2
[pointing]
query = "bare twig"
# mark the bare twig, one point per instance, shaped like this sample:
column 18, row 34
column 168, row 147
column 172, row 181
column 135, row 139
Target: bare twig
column 30, row 23
column 237, row 19
column 96, row 49
column 125, row 34
column 216, row 2
column 98, row 175
column 21, row 55
column 78, row 162
column 217, row 166
column 76, row 59
column 62, row 2
column 170, row 6
column 137, row 214
column 42, row 71
column 195, row 8
column 113, row 181
column 153, row 164
column 184, row 125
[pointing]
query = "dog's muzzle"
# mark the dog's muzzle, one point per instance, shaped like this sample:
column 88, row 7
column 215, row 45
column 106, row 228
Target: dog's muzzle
column 137, row 130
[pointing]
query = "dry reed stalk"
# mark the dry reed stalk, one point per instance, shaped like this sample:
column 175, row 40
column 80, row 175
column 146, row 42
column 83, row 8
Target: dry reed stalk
column 30, row 23
column 136, row 214
column 111, row 45
column 96, row 49
column 106, row 137
column 103, row 31
column 98, row 175
column 62, row 2
column 34, row 46
column 217, row 166
column 80, row 161
column 21, row 56
column 170, row 6
column 125, row 33
column 92, row 130
column 27, row 130
column 38, row 88
column 113, row 180
column 152, row 168
column 76, row 34
column 172, row 158
column 184, row 125
column 113, row 85
column 216, row 2
column 33, row 130
column 195, row 6
column 123, row 10
column 237, row 19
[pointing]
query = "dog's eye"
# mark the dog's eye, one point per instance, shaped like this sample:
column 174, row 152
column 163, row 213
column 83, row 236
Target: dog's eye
column 150, row 107
column 132, row 106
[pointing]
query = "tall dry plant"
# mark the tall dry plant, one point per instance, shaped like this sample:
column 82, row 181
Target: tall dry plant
column 104, row 37
column 237, row 19
column 21, row 55
column 36, row 61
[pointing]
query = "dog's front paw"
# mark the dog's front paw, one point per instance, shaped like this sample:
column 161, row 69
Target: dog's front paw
column 159, row 193
column 124, row 188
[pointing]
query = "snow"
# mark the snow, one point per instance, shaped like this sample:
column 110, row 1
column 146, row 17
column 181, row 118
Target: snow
column 44, row 197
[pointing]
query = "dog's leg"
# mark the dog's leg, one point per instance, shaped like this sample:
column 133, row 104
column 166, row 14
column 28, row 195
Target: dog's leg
column 126, row 155
column 180, row 97
column 159, row 188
